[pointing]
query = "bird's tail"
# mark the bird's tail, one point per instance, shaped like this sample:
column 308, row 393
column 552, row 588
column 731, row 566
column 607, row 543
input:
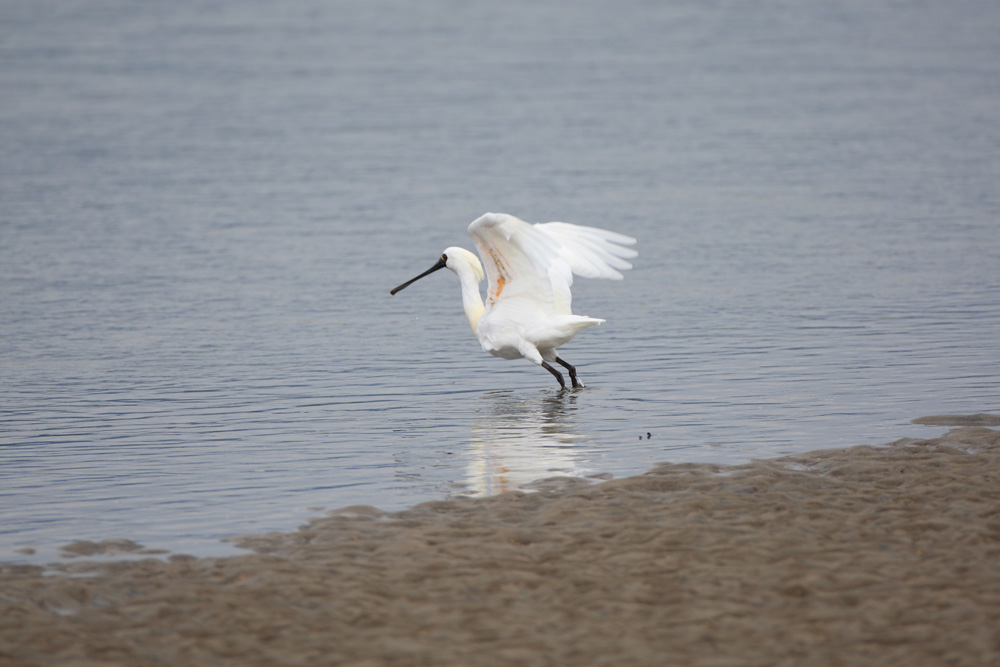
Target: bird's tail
column 562, row 329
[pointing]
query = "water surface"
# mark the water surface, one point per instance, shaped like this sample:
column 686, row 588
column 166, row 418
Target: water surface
column 205, row 205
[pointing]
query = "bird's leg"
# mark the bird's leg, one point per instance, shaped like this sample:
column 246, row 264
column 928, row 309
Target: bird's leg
column 572, row 372
column 562, row 383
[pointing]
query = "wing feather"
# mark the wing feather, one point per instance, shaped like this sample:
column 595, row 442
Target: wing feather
column 538, row 261
column 591, row 252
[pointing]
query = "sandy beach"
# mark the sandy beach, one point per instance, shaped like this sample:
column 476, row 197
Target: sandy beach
column 862, row 556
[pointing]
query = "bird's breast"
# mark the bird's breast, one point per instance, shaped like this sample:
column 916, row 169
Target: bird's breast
column 499, row 335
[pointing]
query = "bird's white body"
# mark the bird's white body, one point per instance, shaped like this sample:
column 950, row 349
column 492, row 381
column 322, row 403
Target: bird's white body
column 529, row 270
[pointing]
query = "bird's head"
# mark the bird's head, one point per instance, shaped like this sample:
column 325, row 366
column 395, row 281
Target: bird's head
column 459, row 260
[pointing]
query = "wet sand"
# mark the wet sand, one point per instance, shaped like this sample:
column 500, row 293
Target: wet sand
column 864, row 556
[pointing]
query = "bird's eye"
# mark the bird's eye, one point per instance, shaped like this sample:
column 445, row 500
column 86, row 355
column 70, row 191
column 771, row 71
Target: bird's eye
column 444, row 258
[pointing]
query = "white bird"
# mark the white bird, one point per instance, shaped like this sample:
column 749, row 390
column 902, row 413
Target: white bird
column 530, row 271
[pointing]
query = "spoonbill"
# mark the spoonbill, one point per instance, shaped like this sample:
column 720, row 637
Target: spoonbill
column 529, row 268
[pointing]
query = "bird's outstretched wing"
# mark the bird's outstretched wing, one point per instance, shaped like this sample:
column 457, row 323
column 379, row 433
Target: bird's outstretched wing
column 538, row 261
column 591, row 252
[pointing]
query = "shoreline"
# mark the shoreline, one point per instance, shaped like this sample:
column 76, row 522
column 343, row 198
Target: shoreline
column 866, row 555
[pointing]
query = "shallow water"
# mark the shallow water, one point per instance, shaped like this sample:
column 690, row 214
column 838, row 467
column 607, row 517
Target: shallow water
column 204, row 206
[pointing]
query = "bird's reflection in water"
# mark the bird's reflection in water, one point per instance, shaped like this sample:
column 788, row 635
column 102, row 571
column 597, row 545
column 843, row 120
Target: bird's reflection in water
column 517, row 440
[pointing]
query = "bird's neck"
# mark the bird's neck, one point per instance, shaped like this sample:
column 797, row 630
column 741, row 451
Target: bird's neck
column 472, row 300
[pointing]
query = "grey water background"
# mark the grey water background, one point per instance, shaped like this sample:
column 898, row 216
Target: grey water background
column 203, row 206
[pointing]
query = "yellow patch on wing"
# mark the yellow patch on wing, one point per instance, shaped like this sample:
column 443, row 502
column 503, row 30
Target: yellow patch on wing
column 502, row 273
column 500, row 283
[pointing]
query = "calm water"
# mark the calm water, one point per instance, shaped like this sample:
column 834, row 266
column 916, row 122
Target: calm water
column 204, row 206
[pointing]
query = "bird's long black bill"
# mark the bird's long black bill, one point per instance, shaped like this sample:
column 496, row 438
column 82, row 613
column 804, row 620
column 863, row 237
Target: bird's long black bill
column 440, row 265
